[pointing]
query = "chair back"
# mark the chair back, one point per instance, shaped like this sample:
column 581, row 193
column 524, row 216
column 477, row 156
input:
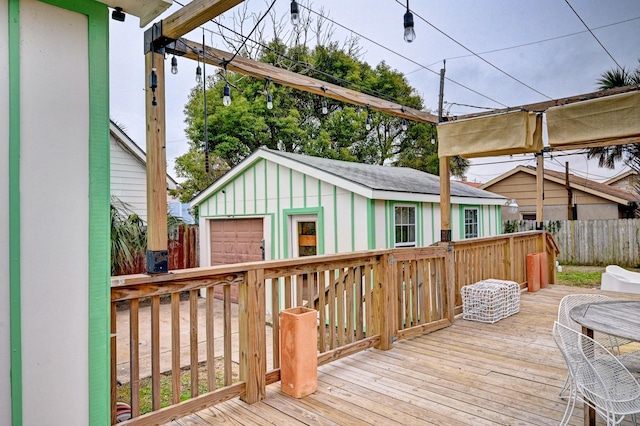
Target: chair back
column 571, row 301
column 598, row 374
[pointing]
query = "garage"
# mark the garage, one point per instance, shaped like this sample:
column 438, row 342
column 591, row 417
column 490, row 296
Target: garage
column 236, row 240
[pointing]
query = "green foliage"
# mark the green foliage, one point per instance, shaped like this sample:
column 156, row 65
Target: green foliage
column 128, row 237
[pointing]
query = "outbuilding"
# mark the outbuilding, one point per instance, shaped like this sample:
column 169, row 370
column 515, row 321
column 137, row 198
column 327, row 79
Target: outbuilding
column 278, row 205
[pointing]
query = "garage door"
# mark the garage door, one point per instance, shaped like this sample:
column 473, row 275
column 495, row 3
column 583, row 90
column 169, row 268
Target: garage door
column 236, row 241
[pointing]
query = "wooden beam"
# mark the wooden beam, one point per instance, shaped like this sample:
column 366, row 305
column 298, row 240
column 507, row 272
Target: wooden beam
column 543, row 106
column 597, row 144
column 539, row 190
column 445, row 199
column 194, row 14
column 157, row 248
column 288, row 78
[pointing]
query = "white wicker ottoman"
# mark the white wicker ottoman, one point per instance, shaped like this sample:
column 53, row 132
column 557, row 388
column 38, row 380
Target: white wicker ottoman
column 490, row 300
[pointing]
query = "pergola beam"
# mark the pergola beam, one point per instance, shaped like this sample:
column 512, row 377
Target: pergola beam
column 194, row 14
column 193, row 50
column 543, row 106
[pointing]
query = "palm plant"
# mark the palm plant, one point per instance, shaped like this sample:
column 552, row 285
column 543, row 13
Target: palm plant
column 128, row 237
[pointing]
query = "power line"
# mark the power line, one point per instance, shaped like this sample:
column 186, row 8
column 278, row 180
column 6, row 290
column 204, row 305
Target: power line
column 594, row 36
column 476, row 55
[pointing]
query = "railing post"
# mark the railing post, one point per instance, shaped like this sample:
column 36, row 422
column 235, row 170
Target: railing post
column 384, row 310
column 450, row 284
column 253, row 350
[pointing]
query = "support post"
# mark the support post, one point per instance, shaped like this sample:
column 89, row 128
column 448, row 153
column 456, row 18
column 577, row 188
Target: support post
column 445, row 199
column 569, row 191
column 157, row 247
column 253, row 349
column 539, row 190
column 383, row 309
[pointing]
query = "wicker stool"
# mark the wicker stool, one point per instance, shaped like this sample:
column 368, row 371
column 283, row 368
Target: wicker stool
column 490, row 300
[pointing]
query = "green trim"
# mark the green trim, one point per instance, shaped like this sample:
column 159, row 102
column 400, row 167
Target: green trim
column 461, row 209
column 489, row 221
column 266, row 198
column 290, row 188
column 433, row 224
column 353, row 222
column 224, row 198
column 499, row 220
column 278, row 207
column 335, row 218
column 15, row 296
column 392, row 215
column 371, row 224
column 304, row 190
column 286, row 213
column 233, row 198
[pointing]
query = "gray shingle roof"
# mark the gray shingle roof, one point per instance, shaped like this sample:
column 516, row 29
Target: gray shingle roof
column 386, row 178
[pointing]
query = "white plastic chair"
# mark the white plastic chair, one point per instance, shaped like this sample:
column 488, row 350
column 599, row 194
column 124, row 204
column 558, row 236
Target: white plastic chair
column 596, row 377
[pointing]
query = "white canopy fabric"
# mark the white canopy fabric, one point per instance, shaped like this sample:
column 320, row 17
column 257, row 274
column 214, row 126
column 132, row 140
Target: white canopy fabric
column 517, row 132
column 597, row 120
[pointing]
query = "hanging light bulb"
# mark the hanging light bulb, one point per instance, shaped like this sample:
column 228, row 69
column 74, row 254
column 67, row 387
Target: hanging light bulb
column 295, row 13
column 199, row 74
column 174, row 65
column 409, row 32
column 325, row 110
column 269, row 101
column 368, row 123
column 404, row 125
column 433, row 140
column 226, row 98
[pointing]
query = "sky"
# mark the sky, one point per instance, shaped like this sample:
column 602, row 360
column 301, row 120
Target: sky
column 525, row 52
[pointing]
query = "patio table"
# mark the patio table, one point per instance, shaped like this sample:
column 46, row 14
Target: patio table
column 615, row 318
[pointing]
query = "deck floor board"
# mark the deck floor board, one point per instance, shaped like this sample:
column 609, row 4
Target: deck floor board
column 471, row 373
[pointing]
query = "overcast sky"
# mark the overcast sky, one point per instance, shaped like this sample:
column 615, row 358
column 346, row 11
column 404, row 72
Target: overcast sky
column 541, row 43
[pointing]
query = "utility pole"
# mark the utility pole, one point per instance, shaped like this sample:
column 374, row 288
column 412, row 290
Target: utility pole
column 569, row 192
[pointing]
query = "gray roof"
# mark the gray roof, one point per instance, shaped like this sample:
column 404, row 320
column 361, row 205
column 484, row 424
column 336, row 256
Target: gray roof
column 386, row 178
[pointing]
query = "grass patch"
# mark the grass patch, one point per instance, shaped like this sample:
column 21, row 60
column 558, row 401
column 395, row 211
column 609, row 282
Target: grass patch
column 585, row 279
column 166, row 392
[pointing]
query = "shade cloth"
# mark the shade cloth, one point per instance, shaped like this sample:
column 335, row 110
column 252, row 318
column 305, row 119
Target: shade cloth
column 597, row 120
column 517, row 132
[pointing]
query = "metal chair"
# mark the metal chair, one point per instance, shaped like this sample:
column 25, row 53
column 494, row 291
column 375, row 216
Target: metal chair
column 596, row 377
column 571, row 301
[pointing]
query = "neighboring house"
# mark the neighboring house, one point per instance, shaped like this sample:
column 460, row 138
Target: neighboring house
column 628, row 181
column 277, row 205
column 589, row 199
column 129, row 176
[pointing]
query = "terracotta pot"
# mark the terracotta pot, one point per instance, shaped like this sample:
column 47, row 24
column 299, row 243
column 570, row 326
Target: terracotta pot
column 533, row 272
column 298, row 351
column 544, row 269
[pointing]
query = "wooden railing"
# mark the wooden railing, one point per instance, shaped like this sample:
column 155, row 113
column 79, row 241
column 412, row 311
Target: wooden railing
column 364, row 300
column 502, row 257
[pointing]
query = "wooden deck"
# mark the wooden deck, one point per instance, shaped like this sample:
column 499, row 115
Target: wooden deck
column 507, row 373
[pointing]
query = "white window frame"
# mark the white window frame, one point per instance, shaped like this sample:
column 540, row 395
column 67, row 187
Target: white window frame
column 408, row 225
column 470, row 224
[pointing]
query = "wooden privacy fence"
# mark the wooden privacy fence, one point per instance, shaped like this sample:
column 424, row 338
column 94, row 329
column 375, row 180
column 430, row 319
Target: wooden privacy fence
column 594, row 242
column 196, row 345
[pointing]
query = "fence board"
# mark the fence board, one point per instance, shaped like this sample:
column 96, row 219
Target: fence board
column 597, row 242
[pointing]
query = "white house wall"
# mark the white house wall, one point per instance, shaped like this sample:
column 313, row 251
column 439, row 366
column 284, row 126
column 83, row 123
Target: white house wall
column 5, row 353
column 54, row 234
column 128, row 179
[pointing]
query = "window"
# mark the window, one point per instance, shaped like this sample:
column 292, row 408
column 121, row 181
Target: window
column 470, row 222
column 405, row 226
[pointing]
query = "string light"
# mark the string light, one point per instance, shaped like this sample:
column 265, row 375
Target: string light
column 295, row 13
column 325, row 110
column 199, row 74
column 368, row 122
column 409, row 32
column 404, row 125
column 226, row 94
column 174, row 65
column 267, row 84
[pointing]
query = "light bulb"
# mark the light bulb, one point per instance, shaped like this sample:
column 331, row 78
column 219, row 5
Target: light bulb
column 174, row 65
column 295, row 13
column 368, row 124
column 433, row 141
column 325, row 110
column 269, row 101
column 198, row 75
column 404, row 125
column 226, row 98
column 409, row 33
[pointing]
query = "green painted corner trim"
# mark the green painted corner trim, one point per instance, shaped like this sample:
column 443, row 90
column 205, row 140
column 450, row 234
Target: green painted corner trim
column 15, row 312
column 371, row 224
column 287, row 213
column 499, row 220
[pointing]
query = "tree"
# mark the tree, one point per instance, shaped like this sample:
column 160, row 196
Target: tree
column 296, row 123
column 608, row 156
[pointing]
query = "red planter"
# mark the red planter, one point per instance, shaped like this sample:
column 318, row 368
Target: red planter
column 298, row 353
